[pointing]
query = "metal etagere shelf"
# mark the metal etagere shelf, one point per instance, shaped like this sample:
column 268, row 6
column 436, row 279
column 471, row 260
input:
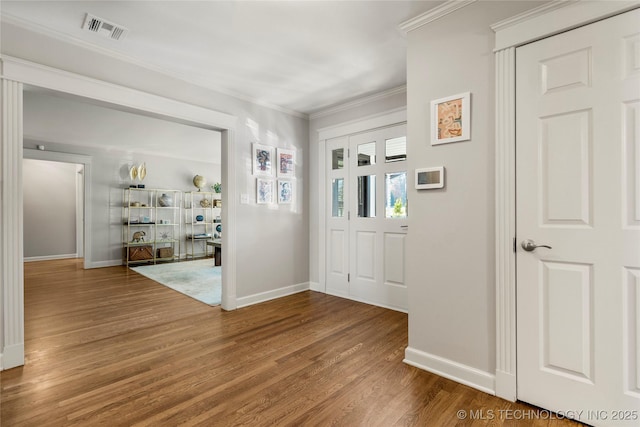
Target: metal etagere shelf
column 202, row 220
column 151, row 225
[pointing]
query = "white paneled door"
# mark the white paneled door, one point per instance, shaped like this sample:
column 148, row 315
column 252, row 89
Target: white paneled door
column 578, row 192
column 367, row 217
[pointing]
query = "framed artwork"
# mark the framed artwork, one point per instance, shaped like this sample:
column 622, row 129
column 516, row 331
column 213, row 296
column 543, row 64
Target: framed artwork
column 286, row 163
column 451, row 119
column 261, row 156
column 264, row 191
column 285, row 191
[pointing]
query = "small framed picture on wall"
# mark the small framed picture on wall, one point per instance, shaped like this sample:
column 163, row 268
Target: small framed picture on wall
column 451, row 118
column 285, row 191
column 262, row 157
column 264, row 191
column 286, row 163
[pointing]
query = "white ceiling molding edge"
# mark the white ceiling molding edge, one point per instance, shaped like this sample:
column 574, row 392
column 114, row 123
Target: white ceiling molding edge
column 527, row 26
column 531, row 13
column 47, row 32
column 358, row 102
column 434, row 14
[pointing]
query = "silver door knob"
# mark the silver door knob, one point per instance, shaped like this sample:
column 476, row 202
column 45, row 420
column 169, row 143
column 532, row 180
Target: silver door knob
column 529, row 245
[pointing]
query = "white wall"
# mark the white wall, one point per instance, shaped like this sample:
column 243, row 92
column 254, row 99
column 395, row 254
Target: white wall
column 272, row 241
column 450, row 246
column 49, row 209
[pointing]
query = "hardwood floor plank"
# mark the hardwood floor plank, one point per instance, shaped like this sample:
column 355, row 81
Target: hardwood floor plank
column 111, row 347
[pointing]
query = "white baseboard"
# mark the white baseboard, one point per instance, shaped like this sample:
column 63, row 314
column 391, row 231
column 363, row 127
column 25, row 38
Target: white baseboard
column 102, row 264
column 455, row 371
column 315, row 286
column 12, row 356
column 347, row 296
column 49, row 257
column 273, row 294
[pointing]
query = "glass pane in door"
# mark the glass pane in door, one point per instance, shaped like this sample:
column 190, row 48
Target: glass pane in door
column 337, row 158
column 367, row 154
column 337, row 198
column 395, row 149
column 396, row 195
column 367, row 196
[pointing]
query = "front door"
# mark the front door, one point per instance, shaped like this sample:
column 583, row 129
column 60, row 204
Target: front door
column 367, row 217
column 578, row 192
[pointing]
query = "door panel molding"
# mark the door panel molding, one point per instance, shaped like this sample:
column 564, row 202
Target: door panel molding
column 516, row 31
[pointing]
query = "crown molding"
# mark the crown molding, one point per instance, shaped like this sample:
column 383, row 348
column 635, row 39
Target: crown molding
column 532, row 13
column 434, row 14
column 357, row 102
column 554, row 17
column 30, row 26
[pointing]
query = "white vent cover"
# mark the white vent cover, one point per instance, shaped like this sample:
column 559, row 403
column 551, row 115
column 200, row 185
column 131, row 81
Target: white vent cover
column 104, row 28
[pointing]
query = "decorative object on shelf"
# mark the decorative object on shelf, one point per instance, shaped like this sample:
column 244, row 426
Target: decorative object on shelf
column 138, row 236
column 264, row 191
column 451, row 118
column 219, row 228
column 164, row 235
column 142, row 171
column 286, row 163
column 285, row 191
column 199, row 181
column 217, row 203
column 133, row 173
column 165, row 201
column 135, row 204
column 261, row 159
column 140, row 253
column 199, row 218
column 205, row 203
column 165, row 252
column 217, row 188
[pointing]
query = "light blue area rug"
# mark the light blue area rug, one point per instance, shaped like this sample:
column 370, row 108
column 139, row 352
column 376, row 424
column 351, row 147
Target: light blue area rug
column 198, row 279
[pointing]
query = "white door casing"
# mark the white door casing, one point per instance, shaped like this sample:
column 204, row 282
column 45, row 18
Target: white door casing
column 578, row 191
column 16, row 73
column 543, row 21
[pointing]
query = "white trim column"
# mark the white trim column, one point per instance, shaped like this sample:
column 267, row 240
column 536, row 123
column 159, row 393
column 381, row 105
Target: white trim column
column 229, row 292
column 505, row 225
column 11, row 252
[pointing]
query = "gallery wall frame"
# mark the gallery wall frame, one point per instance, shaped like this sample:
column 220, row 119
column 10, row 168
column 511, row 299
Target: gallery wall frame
column 286, row 163
column 264, row 191
column 286, row 190
column 262, row 159
column 451, row 119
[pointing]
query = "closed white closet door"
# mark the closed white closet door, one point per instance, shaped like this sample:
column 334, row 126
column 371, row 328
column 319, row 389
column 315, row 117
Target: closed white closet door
column 578, row 192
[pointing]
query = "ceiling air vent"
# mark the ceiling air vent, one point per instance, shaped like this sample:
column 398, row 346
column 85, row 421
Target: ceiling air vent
column 104, row 28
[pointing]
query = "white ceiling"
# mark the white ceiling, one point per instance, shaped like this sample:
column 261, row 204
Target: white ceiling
column 299, row 55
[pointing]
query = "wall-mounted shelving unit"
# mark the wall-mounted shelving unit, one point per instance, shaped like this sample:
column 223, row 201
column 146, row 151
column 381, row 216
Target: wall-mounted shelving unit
column 151, row 225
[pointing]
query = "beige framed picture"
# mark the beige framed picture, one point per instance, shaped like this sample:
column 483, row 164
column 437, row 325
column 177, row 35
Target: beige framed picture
column 451, row 119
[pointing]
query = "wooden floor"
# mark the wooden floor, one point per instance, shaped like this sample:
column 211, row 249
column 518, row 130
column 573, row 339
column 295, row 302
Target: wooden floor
column 110, row 347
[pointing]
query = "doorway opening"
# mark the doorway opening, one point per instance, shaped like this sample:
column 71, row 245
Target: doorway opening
column 53, row 210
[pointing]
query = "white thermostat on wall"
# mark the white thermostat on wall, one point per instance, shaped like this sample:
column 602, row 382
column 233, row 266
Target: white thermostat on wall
column 430, row 178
